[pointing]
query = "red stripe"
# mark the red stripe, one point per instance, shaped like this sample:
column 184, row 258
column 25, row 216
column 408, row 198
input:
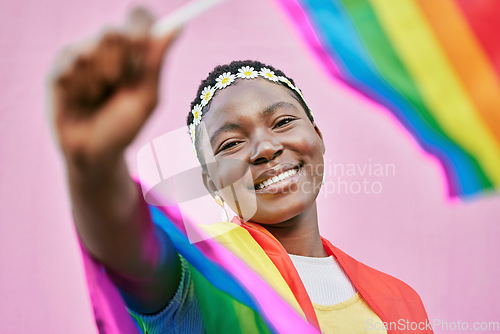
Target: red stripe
column 391, row 299
column 482, row 16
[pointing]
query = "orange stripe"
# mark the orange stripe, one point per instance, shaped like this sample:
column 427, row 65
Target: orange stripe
column 282, row 261
column 470, row 63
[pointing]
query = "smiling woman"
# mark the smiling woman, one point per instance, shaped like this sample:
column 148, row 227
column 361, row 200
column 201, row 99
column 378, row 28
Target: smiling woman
column 253, row 125
column 260, row 127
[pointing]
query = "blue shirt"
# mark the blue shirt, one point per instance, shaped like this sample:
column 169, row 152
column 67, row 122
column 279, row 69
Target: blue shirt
column 181, row 315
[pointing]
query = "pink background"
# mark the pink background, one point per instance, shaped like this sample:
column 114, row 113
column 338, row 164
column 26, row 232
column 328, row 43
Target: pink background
column 446, row 250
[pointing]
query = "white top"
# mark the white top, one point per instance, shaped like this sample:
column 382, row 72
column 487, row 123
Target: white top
column 325, row 281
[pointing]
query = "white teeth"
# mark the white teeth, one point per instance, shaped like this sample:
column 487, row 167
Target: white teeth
column 277, row 178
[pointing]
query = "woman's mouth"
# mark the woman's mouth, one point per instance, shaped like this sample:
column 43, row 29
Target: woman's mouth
column 277, row 180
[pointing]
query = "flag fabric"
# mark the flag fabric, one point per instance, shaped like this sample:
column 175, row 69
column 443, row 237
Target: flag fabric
column 435, row 65
column 224, row 284
column 245, row 282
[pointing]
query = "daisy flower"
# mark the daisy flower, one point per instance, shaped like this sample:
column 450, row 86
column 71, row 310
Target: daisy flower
column 207, row 93
column 268, row 74
column 197, row 112
column 288, row 82
column 224, row 80
column 247, row 72
column 192, row 131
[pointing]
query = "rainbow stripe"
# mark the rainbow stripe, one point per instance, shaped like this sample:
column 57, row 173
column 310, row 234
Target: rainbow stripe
column 435, row 65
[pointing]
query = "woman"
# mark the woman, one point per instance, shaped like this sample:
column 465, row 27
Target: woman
column 262, row 154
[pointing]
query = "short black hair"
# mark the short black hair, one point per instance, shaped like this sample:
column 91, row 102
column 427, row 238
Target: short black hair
column 233, row 67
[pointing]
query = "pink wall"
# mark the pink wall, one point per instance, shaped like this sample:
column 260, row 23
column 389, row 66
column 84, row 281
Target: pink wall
column 446, row 251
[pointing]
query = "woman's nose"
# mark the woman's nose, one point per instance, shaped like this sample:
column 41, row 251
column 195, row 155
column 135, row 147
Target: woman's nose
column 266, row 150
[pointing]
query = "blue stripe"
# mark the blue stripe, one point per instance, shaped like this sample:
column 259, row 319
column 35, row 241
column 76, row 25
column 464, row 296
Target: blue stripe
column 213, row 272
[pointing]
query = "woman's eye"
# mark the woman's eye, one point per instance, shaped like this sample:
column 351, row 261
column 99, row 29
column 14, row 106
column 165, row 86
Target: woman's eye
column 283, row 122
column 228, row 145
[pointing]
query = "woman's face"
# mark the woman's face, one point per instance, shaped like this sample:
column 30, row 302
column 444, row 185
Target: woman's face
column 267, row 155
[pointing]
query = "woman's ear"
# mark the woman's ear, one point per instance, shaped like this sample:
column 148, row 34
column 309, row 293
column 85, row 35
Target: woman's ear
column 320, row 135
column 208, row 182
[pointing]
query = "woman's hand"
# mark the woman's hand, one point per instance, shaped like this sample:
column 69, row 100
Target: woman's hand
column 104, row 92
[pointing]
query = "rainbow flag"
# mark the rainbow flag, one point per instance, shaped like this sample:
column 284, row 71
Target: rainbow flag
column 226, row 287
column 435, row 65
column 246, row 283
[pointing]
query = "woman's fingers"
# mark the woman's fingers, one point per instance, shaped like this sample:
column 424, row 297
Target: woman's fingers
column 158, row 49
column 87, row 76
column 139, row 22
column 95, row 72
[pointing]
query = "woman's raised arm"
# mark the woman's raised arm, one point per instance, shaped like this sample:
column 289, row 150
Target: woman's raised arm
column 102, row 94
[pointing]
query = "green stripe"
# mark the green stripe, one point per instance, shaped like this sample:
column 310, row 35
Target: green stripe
column 391, row 68
column 140, row 322
column 223, row 314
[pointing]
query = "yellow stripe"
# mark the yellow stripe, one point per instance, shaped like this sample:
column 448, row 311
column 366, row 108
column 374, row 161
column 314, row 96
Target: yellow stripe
column 439, row 85
column 237, row 240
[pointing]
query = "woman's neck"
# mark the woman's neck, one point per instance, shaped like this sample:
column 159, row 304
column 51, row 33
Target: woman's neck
column 300, row 235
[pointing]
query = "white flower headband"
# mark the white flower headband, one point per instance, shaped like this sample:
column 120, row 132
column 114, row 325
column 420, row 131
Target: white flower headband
column 226, row 79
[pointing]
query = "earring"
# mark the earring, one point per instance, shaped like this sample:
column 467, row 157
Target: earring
column 220, row 202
